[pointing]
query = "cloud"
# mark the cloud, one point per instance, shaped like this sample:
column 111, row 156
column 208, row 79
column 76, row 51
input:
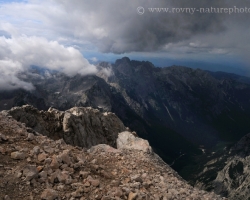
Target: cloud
column 17, row 54
column 113, row 26
column 94, row 59
column 116, row 27
column 8, row 80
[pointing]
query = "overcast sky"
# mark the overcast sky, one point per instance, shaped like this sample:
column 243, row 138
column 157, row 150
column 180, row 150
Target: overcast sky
column 72, row 35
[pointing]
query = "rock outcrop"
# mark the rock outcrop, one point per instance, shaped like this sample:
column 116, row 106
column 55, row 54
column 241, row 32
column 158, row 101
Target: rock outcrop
column 78, row 126
column 33, row 166
column 127, row 140
column 234, row 179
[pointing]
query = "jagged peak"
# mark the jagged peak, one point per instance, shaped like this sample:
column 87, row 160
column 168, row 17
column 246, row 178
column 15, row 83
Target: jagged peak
column 122, row 60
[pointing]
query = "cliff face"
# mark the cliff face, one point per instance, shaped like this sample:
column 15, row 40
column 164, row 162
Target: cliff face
column 32, row 166
column 234, row 179
column 79, row 126
column 227, row 172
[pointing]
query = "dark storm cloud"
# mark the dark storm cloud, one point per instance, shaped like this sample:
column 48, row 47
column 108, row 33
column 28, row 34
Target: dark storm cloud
column 152, row 31
column 115, row 26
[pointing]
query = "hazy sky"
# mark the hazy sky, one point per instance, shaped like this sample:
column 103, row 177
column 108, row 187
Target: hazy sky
column 68, row 35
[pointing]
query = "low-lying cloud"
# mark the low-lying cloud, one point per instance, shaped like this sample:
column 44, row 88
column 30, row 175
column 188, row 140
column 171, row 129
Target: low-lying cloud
column 8, row 76
column 17, row 54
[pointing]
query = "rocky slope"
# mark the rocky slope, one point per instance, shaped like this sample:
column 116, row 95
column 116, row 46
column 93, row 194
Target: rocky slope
column 32, row 166
column 227, row 171
column 234, row 179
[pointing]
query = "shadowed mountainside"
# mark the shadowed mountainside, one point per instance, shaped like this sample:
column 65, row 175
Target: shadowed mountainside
column 178, row 109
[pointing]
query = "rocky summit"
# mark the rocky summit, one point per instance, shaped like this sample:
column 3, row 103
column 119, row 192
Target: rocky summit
column 34, row 166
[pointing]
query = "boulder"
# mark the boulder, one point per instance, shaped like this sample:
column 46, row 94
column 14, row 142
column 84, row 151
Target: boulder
column 30, row 172
column 49, row 194
column 17, row 155
column 126, row 140
column 103, row 148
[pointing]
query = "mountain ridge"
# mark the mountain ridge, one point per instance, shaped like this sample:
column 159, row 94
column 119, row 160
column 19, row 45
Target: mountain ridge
column 178, row 109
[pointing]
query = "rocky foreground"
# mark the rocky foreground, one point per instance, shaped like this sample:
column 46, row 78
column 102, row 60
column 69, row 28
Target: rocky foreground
column 33, row 166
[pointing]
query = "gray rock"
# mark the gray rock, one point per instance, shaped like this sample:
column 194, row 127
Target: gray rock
column 36, row 150
column 3, row 137
column 17, row 155
column 103, row 148
column 43, row 174
column 30, row 172
column 41, row 157
column 54, row 162
column 49, row 194
column 132, row 196
column 64, row 177
column 94, row 182
column 6, row 197
column 126, row 140
column 31, row 136
column 65, row 157
column 80, row 126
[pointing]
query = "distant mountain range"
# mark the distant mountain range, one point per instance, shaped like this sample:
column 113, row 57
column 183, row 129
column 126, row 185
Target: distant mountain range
column 179, row 110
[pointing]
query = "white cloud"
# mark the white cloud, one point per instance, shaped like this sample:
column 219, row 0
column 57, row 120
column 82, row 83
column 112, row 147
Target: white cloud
column 19, row 53
column 8, row 80
column 94, row 59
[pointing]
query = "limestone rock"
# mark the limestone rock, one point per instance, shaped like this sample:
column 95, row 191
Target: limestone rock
column 94, row 182
column 41, row 157
column 30, row 172
column 49, row 194
column 81, row 126
column 64, row 177
column 104, row 148
column 3, row 137
column 54, row 163
column 18, row 155
column 65, row 157
column 36, row 150
column 126, row 140
column 132, row 196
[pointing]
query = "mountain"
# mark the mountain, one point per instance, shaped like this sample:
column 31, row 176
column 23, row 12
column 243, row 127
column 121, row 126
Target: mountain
column 33, row 166
column 227, row 171
column 233, row 180
column 181, row 111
